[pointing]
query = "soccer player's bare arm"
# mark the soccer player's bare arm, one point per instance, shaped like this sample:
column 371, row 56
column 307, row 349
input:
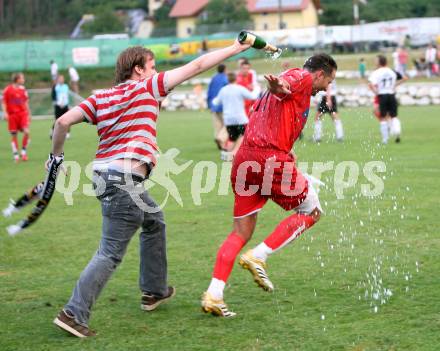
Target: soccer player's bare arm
column 373, row 88
column 202, row 64
column 401, row 79
column 62, row 125
column 28, row 109
column 5, row 112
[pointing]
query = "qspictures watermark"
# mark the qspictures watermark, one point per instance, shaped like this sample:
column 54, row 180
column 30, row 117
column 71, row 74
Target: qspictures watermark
column 208, row 177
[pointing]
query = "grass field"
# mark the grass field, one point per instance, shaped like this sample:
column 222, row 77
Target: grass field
column 326, row 281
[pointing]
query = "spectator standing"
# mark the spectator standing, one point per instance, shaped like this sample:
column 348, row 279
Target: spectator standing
column 60, row 96
column 430, row 57
column 395, row 56
column 362, row 68
column 74, row 79
column 403, row 61
column 53, row 71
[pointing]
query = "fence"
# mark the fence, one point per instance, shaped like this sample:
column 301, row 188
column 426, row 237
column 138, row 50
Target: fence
column 35, row 55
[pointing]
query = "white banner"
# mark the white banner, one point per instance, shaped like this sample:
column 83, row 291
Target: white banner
column 420, row 30
column 85, row 56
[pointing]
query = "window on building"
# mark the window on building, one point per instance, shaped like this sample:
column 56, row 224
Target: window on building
column 265, row 26
column 189, row 30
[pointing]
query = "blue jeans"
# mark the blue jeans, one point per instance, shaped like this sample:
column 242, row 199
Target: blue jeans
column 122, row 217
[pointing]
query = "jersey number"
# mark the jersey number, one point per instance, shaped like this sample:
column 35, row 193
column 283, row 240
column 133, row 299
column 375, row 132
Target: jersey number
column 387, row 83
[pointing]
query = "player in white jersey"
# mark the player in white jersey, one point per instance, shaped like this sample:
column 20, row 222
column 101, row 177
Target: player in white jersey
column 232, row 97
column 328, row 105
column 383, row 82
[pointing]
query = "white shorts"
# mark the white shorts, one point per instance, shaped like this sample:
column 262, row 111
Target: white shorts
column 310, row 203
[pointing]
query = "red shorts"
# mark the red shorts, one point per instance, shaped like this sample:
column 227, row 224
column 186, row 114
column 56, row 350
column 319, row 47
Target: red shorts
column 17, row 122
column 259, row 175
column 376, row 109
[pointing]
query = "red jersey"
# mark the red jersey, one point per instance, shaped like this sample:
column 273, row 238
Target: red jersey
column 248, row 81
column 277, row 121
column 15, row 99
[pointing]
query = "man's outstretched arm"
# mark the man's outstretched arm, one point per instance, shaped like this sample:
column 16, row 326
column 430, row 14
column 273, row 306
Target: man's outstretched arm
column 61, row 127
column 202, row 64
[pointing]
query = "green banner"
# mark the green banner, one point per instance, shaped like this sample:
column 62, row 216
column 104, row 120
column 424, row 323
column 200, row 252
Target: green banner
column 36, row 55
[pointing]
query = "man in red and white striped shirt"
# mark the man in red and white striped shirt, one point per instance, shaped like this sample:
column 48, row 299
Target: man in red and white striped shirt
column 125, row 117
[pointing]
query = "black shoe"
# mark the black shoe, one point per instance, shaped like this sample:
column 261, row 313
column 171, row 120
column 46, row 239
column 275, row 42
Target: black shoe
column 398, row 140
column 150, row 302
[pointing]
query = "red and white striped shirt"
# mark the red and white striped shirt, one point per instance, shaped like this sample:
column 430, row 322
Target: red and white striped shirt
column 125, row 116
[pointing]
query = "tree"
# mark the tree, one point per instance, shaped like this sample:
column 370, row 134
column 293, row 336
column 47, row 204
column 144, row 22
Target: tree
column 164, row 25
column 340, row 12
column 224, row 12
column 106, row 21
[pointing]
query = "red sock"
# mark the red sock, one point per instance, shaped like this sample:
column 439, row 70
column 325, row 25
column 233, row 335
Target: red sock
column 14, row 144
column 288, row 230
column 226, row 256
column 25, row 141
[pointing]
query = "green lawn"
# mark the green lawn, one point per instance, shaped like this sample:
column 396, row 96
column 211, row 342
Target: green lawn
column 325, row 281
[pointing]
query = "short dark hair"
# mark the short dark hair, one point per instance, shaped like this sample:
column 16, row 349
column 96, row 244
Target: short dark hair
column 244, row 61
column 15, row 76
column 232, row 77
column 321, row 61
column 221, row 68
column 382, row 60
column 128, row 60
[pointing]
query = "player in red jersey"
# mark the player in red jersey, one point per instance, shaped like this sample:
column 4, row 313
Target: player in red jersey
column 264, row 168
column 247, row 78
column 15, row 105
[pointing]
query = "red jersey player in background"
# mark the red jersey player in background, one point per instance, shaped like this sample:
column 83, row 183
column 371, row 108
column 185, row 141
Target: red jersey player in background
column 16, row 108
column 264, row 168
column 247, row 78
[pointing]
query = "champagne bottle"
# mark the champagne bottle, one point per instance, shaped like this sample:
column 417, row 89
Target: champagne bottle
column 256, row 42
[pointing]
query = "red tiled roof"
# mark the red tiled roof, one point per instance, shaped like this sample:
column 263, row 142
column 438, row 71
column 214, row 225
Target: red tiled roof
column 189, row 8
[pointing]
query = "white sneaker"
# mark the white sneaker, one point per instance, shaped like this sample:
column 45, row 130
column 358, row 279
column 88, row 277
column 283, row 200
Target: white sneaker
column 11, row 209
column 13, row 229
column 68, row 136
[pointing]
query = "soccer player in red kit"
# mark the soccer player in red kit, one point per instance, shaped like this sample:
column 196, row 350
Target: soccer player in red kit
column 16, row 109
column 264, row 168
column 247, row 78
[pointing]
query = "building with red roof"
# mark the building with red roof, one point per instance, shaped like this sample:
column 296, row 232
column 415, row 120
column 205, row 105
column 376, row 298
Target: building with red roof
column 265, row 14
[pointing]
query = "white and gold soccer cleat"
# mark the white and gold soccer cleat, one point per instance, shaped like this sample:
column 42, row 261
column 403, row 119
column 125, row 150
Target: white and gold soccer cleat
column 215, row 307
column 257, row 268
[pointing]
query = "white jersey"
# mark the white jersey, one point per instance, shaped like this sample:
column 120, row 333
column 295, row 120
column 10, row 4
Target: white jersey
column 430, row 55
column 232, row 98
column 54, row 70
column 333, row 88
column 73, row 73
column 384, row 78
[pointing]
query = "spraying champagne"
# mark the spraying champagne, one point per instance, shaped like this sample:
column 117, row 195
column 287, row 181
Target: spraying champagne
column 258, row 42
